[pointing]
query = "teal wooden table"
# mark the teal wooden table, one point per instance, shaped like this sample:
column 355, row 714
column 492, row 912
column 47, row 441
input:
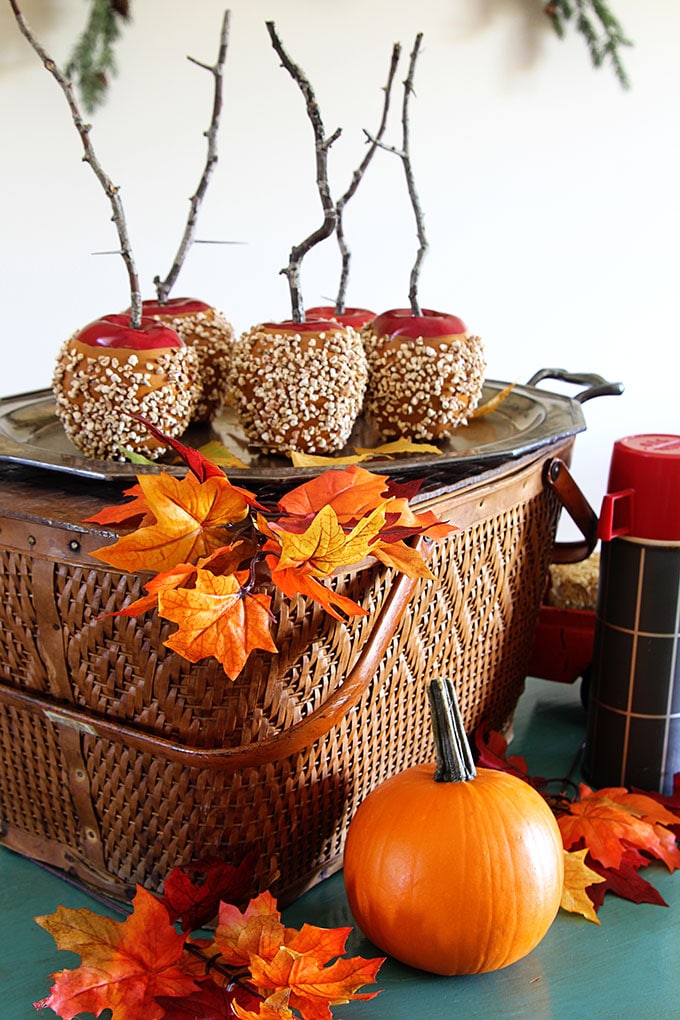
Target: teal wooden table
column 628, row 967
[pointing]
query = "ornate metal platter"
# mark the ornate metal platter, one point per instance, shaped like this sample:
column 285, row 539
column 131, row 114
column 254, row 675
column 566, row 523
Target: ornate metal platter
column 529, row 418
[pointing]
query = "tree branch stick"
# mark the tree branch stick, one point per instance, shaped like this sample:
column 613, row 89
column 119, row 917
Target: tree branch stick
column 355, row 182
column 163, row 287
column 109, row 187
column 410, row 181
column 322, row 145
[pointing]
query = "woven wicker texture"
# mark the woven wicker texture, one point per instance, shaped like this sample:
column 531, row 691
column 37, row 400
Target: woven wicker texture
column 101, row 724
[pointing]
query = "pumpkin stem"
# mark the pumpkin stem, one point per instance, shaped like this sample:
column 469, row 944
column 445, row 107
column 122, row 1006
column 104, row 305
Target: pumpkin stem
column 454, row 757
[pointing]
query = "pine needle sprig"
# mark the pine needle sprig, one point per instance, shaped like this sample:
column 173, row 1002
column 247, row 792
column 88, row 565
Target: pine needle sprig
column 600, row 29
column 93, row 62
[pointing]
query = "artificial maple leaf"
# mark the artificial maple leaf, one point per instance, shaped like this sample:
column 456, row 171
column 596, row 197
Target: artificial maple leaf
column 609, row 825
column 294, row 581
column 492, row 749
column 210, row 1001
column 218, row 454
column 274, row 1007
column 218, row 618
column 324, row 545
column 125, row 965
column 315, row 985
column 256, row 930
column 194, row 903
column 199, row 465
column 125, row 513
column 397, row 446
column 168, row 579
column 402, row 557
column 625, row 881
column 352, row 493
column 191, row 518
column 578, row 878
column 493, row 402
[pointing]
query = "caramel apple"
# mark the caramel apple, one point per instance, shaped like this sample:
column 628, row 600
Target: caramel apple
column 425, row 373
column 109, row 371
column 211, row 335
column 299, row 386
column 355, row 317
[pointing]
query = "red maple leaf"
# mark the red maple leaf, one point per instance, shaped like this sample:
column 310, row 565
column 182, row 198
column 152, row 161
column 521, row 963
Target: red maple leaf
column 125, row 965
column 192, row 895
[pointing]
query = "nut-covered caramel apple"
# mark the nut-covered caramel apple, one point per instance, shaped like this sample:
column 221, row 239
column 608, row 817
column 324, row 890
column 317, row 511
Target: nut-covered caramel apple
column 211, row 335
column 355, row 317
column 425, row 373
column 299, row 386
column 109, row 371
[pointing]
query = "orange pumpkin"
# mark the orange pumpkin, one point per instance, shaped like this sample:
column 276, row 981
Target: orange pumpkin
column 451, row 869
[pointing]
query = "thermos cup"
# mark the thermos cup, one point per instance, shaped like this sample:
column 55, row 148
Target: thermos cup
column 633, row 730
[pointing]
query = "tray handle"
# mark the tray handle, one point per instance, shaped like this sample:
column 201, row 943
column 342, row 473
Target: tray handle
column 282, row 745
column 596, row 385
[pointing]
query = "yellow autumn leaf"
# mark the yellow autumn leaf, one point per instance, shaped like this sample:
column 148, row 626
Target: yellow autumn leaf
column 220, row 455
column 577, row 877
column 493, row 403
column 325, row 546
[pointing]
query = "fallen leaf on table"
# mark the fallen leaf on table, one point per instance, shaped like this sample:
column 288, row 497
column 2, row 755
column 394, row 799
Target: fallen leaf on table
column 578, row 878
column 196, row 902
column 611, row 820
column 125, row 965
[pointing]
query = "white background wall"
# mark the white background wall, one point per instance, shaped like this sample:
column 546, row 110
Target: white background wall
column 550, row 193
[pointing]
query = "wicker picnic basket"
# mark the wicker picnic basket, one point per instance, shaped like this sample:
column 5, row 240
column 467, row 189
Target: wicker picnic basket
column 120, row 760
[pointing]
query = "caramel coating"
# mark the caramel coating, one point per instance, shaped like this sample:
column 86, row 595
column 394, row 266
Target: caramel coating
column 422, row 388
column 298, row 391
column 97, row 389
column 212, row 337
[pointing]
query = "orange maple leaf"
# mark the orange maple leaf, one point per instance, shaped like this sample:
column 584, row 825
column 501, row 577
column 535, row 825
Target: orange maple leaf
column 402, row 557
column 352, row 492
column 299, row 581
column 191, row 520
column 611, row 820
column 124, row 512
column 274, row 1007
column 125, row 965
column 257, row 930
column 314, row 984
column 217, row 617
column 578, row 877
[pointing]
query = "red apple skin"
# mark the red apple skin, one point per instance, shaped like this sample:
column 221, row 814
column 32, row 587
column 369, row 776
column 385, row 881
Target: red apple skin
column 428, row 323
column 309, row 326
column 356, row 317
column 174, row 306
column 115, row 331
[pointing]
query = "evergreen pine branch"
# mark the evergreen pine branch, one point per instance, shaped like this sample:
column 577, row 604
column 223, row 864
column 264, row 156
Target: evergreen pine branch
column 93, row 62
column 601, row 30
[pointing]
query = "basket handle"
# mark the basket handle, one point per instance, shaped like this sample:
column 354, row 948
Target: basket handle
column 282, row 745
column 559, row 479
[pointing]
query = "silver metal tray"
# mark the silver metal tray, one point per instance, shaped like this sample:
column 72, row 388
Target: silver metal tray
column 32, row 435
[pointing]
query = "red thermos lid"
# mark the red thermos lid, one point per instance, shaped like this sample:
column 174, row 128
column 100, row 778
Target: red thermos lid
column 643, row 492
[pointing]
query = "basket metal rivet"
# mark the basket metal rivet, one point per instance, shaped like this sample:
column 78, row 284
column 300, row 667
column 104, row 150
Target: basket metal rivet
column 91, row 834
column 73, row 545
column 31, row 539
column 80, row 775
